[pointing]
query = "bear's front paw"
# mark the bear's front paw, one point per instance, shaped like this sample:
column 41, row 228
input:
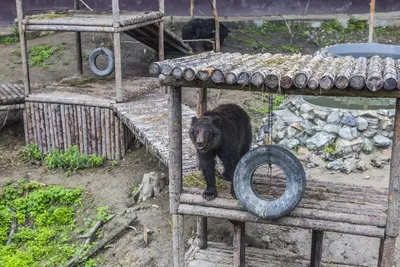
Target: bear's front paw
column 210, row 194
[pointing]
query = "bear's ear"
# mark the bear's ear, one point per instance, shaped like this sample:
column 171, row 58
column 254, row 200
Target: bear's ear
column 194, row 119
column 216, row 121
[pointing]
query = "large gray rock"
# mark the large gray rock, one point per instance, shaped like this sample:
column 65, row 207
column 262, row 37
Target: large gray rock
column 289, row 143
column 335, row 165
column 349, row 120
column 371, row 131
column 287, row 116
column 387, row 124
column 292, row 130
column 362, row 124
column 320, row 113
column 278, row 135
column 319, row 140
column 306, row 111
column 331, row 128
column 349, row 165
column 319, row 125
column 333, row 117
column 277, row 125
column 308, row 127
column 348, row 133
column 344, row 147
column 381, row 141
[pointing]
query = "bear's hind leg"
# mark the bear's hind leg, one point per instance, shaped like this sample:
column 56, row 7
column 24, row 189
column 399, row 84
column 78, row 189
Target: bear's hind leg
column 207, row 166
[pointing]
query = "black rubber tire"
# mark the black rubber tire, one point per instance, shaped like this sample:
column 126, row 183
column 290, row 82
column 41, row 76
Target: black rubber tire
column 110, row 59
column 295, row 185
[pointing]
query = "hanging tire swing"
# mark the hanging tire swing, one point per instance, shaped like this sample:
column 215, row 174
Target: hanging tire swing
column 295, row 181
column 110, row 61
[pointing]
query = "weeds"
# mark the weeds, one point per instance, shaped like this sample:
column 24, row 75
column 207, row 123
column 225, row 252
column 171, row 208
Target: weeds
column 70, row 160
column 39, row 55
column 331, row 148
column 12, row 38
column 290, row 48
column 46, row 218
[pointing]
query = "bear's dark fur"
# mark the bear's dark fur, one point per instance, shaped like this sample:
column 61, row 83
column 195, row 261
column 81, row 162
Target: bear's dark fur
column 203, row 29
column 224, row 132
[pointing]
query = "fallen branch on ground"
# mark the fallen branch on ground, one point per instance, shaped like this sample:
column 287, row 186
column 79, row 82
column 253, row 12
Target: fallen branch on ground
column 91, row 233
column 13, row 228
column 100, row 245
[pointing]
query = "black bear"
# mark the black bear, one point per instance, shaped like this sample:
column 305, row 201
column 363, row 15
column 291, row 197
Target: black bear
column 224, row 132
column 203, row 29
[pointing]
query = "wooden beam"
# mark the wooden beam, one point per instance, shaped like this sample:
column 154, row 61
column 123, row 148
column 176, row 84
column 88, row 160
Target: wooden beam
column 239, row 248
column 78, row 46
column 118, row 67
column 371, row 20
column 171, row 81
column 316, row 248
column 24, row 48
column 192, row 9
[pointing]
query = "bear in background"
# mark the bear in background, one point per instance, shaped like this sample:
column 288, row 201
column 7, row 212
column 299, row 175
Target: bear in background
column 224, row 132
column 203, row 29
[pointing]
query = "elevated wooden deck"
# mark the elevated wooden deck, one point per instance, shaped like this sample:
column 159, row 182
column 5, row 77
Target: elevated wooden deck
column 89, row 21
column 220, row 255
column 142, row 26
column 147, row 118
column 11, row 94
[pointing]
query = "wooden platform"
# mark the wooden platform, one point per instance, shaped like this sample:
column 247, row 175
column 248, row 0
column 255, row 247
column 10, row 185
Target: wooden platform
column 11, row 94
column 286, row 74
column 220, row 255
column 89, row 21
column 148, row 120
column 142, row 26
column 326, row 206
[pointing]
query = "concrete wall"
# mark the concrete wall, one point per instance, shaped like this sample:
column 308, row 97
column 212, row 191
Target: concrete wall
column 248, row 8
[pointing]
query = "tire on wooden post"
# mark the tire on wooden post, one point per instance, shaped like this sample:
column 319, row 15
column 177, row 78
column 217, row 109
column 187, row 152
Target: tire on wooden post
column 295, row 181
column 110, row 61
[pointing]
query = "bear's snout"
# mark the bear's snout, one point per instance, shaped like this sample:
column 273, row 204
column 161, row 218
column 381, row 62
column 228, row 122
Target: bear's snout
column 200, row 144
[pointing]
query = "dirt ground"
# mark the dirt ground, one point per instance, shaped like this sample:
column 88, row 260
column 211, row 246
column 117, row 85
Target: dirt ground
column 112, row 185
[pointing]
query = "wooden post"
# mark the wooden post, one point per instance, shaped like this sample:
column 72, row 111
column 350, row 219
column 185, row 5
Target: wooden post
column 161, row 54
column 316, row 248
column 239, row 253
column 192, row 9
column 78, row 46
column 371, row 20
column 117, row 52
column 216, row 18
column 24, row 48
column 201, row 221
column 175, row 171
column 118, row 67
column 387, row 247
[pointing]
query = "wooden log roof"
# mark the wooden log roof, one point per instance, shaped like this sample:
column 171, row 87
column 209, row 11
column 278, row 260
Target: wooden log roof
column 290, row 74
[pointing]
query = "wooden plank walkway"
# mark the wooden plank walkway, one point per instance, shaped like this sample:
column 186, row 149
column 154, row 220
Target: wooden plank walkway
column 11, row 94
column 220, row 255
column 148, row 120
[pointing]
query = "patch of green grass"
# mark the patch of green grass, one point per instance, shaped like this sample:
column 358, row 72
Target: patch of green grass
column 290, row 48
column 331, row 148
column 85, row 56
column 39, row 55
column 12, row 38
column 70, row 160
column 356, row 26
column 331, row 26
column 46, row 218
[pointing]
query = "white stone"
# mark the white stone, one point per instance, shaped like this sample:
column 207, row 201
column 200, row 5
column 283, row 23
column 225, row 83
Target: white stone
column 319, row 140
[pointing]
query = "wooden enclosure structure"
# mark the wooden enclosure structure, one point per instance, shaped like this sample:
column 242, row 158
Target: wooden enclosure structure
column 138, row 25
column 343, row 209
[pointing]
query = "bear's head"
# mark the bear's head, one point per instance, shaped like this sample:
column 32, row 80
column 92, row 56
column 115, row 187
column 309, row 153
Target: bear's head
column 205, row 133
